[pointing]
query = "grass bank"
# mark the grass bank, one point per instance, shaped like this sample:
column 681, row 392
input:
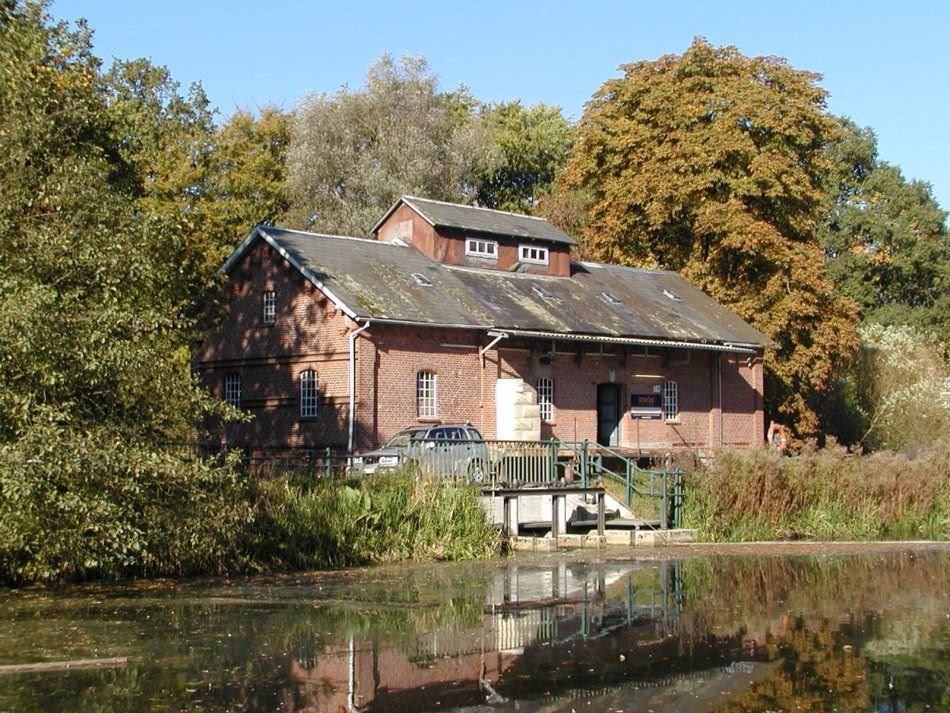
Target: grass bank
column 825, row 494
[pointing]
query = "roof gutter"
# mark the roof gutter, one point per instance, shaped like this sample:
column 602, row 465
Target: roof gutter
column 352, row 416
column 433, row 325
column 637, row 341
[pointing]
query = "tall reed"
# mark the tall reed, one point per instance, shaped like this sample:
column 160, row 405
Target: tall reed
column 823, row 495
column 381, row 519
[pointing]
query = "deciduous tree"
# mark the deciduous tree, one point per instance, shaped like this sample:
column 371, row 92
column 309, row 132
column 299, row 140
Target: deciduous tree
column 355, row 152
column 886, row 238
column 712, row 164
column 96, row 392
column 534, row 143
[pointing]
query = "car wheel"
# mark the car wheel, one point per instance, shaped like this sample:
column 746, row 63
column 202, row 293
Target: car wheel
column 477, row 471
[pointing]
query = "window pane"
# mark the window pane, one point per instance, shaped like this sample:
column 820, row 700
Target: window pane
column 546, row 399
column 425, row 394
column 529, row 253
column 670, row 401
column 232, row 389
column 309, row 394
column 484, row 248
column 270, row 307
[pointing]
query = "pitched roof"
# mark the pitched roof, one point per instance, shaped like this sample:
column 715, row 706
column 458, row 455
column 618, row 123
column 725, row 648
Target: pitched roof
column 481, row 220
column 380, row 281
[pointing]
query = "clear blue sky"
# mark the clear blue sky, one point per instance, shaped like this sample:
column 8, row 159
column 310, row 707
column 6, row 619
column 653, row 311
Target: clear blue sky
column 885, row 63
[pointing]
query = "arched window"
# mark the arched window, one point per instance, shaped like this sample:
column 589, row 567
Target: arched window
column 546, row 399
column 309, row 394
column 425, row 394
column 671, row 407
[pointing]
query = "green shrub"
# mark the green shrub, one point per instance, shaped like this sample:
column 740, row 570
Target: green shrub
column 825, row 495
column 380, row 519
column 85, row 505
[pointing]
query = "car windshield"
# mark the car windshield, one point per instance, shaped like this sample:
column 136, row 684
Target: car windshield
column 402, row 439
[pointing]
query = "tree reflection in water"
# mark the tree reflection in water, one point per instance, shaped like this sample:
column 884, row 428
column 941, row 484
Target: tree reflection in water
column 862, row 633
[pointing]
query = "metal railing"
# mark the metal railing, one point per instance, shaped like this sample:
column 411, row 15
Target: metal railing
column 659, row 490
column 655, row 494
column 313, row 462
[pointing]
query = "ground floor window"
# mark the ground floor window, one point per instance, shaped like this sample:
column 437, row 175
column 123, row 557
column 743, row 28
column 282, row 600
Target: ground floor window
column 546, row 399
column 309, row 394
column 671, row 401
column 425, row 394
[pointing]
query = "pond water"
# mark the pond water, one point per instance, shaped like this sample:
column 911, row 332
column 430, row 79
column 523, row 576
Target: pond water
column 610, row 631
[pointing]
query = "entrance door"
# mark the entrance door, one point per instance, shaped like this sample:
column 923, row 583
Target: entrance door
column 608, row 414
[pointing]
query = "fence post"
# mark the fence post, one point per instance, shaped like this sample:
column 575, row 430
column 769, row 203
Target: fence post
column 552, row 460
column 631, row 469
column 665, row 504
column 584, row 464
column 678, row 499
column 328, row 463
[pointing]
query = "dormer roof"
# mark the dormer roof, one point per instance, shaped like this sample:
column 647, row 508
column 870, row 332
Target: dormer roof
column 485, row 221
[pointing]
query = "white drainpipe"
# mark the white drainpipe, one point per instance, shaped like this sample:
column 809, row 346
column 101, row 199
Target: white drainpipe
column 353, row 335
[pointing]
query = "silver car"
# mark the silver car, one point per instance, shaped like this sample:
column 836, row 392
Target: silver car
column 448, row 450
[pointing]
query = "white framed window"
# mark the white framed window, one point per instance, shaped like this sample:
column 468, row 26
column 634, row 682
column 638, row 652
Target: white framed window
column 533, row 254
column 309, row 394
column 232, row 389
column 425, row 394
column 546, row 398
column 671, row 406
column 270, row 307
column 481, row 248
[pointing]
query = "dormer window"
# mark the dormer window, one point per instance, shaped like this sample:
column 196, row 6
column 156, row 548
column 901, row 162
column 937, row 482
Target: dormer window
column 481, row 248
column 533, row 254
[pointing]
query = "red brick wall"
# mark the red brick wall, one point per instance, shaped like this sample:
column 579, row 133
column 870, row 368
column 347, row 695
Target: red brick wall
column 387, row 390
column 466, row 388
column 311, row 333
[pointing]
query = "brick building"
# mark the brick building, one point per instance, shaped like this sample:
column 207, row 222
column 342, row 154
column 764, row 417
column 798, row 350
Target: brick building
column 453, row 314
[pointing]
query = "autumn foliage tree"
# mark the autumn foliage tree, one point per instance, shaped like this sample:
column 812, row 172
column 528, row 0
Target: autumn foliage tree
column 713, row 164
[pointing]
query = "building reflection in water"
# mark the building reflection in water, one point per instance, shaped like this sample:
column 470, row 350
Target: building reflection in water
column 564, row 625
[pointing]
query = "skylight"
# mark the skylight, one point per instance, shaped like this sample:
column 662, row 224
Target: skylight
column 672, row 295
column 421, row 279
column 610, row 299
column 546, row 296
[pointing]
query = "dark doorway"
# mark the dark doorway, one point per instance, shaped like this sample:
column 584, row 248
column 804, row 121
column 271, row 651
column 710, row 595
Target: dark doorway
column 608, row 414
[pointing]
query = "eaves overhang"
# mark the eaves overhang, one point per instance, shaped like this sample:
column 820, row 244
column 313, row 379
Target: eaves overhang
column 730, row 347
column 727, row 347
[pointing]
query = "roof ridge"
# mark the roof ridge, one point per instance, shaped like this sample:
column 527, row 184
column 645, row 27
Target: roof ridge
column 329, row 235
column 630, row 268
column 503, row 273
column 477, row 207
